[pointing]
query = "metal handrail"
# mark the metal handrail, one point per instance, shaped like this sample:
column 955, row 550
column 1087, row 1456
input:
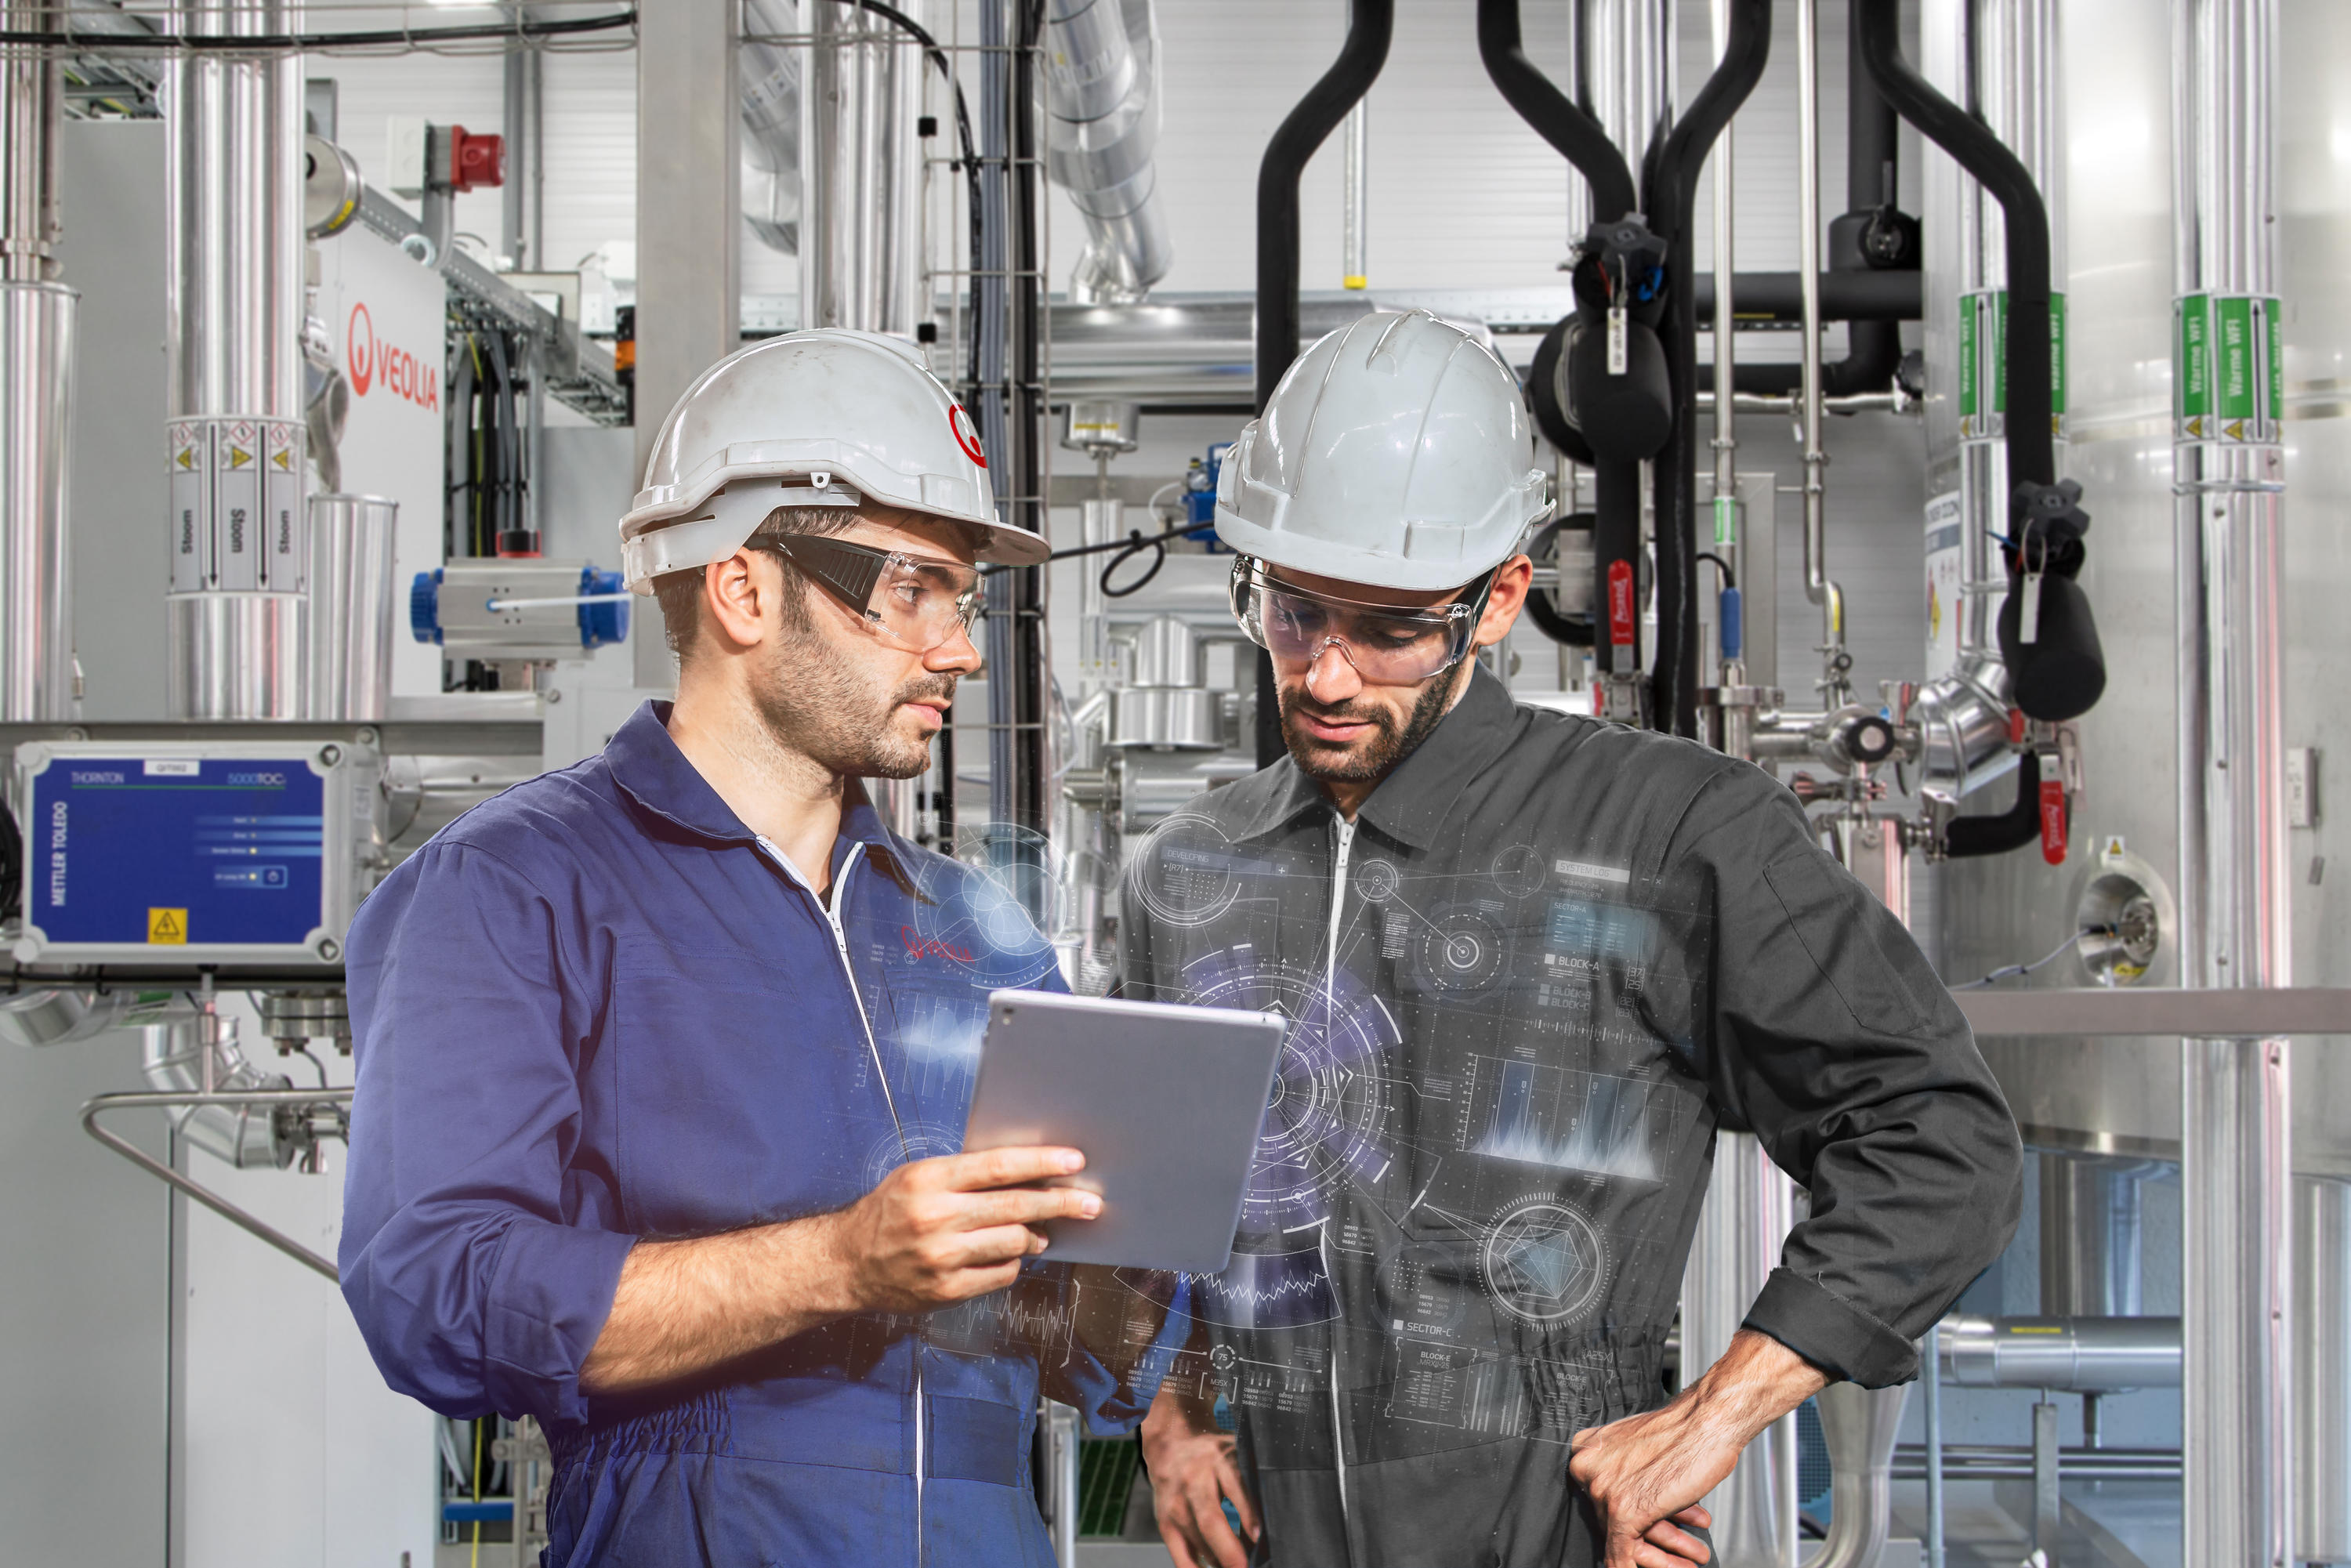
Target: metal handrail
column 99, row 1104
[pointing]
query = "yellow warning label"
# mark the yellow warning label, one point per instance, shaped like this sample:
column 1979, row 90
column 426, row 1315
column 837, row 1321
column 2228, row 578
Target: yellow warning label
column 284, row 458
column 238, row 457
column 168, row 926
column 2236, row 429
column 187, row 458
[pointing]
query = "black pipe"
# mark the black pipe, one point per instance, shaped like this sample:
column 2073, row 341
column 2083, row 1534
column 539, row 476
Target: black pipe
column 2032, row 453
column 1776, row 298
column 1370, row 24
column 1999, row 834
column 1672, row 196
column 1577, row 137
column 1573, row 134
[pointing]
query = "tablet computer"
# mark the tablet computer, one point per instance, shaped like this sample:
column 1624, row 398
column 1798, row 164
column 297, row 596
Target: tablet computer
column 1165, row 1102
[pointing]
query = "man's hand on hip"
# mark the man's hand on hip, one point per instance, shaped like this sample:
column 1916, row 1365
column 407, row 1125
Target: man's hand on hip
column 1193, row 1472
column 943, row 1230
column 1646, row 1473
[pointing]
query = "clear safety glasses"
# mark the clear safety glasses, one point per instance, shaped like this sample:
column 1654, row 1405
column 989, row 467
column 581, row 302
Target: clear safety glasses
column 1388, row 646
column 918, row 603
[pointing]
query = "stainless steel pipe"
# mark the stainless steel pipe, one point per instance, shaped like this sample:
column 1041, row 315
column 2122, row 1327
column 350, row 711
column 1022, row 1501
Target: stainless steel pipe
column 2228, row 474
column 37, row 362
column 2322, row 1356
column 2077, row 1355
column 234, row 617
column 1819, row 587
column 1749, row 1209
column 352, row 605
column 1860, row 1426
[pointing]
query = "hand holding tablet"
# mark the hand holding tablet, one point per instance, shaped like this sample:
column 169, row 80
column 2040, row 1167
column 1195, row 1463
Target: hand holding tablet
column 1165, row 1103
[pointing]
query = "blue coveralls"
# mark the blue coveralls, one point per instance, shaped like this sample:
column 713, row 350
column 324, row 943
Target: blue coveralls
column 599, row 1008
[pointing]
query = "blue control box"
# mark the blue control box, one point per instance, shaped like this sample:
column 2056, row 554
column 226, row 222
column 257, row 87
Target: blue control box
column 191, row 852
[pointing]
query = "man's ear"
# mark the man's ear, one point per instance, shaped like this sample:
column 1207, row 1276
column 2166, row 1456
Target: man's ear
column 1505, row 600
column 738, row 600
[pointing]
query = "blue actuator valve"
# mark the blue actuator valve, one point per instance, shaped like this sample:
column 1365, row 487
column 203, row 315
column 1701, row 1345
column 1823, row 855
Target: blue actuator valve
column 425, row 606
column 603, row 608
column 1729, row 618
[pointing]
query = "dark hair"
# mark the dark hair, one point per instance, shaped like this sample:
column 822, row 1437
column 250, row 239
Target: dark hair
column 679, row 593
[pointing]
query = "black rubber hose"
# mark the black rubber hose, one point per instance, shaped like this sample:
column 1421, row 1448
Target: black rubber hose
column 1573, row 134
column 2032, row 453
column 1370, row 24
column 2010, row 829
column 1672, row 197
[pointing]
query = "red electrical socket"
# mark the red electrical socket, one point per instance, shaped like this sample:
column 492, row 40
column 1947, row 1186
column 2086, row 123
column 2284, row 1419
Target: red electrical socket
column 476, row 161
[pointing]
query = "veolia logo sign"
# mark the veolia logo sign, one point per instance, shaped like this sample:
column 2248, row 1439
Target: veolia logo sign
column 374, row 362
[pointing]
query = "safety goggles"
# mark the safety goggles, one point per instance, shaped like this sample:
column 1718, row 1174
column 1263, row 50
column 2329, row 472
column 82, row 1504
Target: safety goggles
column 1388, row 646
column 914, row 602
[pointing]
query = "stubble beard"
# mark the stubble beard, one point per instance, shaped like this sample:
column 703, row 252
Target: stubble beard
column 1369, row 760
column 815, row 702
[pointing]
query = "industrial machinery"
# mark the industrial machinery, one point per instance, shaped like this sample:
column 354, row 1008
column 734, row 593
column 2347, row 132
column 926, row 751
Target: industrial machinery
column 2047, row 660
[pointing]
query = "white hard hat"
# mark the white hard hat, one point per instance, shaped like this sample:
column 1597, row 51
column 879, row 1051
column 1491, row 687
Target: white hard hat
column 1395, row 453
column 824, row 417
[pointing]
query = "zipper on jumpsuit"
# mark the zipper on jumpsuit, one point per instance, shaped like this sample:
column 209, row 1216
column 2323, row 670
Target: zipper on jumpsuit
column 1330, row 1006
column 831, row 908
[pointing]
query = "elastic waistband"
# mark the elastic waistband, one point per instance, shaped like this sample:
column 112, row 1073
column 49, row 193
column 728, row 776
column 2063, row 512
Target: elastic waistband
column 806, row 1422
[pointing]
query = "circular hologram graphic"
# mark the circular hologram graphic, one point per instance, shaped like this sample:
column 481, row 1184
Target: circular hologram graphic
column 1184, row 871
column 1543, row 1261
column 1376, row 880
column 983, row 907
column 1460, row 948
column 1327, row 1116
column 1519, row 871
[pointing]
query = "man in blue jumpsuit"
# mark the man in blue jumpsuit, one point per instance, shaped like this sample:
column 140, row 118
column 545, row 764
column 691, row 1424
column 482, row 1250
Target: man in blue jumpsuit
column 663, row 1059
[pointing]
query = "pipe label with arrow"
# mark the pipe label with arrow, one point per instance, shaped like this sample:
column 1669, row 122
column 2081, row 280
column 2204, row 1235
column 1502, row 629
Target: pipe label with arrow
column 2228, row 369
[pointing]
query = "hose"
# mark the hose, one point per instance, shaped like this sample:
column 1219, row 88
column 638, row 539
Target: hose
column 2010, row 829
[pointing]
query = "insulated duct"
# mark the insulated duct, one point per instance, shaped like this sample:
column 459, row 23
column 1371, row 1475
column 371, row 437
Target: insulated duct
column 235, row 613
column 861, row 183
column 770, row 74
column 36, row 359
column 1101, row 128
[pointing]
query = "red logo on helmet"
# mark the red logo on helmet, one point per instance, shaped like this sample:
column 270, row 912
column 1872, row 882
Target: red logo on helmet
column 965, row 436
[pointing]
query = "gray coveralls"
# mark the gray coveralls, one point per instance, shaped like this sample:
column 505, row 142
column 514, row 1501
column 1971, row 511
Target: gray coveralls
column 1547, row 961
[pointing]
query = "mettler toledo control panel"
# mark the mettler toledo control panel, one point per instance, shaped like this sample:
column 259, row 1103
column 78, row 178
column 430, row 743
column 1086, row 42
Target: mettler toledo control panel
column 234, row 851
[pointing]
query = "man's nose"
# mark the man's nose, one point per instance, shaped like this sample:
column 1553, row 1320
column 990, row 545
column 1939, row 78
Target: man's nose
column 1333, row 676
column 957, row 654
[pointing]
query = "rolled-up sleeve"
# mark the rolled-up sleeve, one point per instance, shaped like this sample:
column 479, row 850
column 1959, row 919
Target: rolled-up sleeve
column 463, row 1257
column 1838, row 1046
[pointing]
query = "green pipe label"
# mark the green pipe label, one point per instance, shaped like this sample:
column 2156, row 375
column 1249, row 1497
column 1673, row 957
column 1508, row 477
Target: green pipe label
column 1983, row 363
column 2228, row 370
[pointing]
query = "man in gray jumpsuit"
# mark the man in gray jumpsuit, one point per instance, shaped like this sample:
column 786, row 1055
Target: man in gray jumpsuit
column 1534, row 962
